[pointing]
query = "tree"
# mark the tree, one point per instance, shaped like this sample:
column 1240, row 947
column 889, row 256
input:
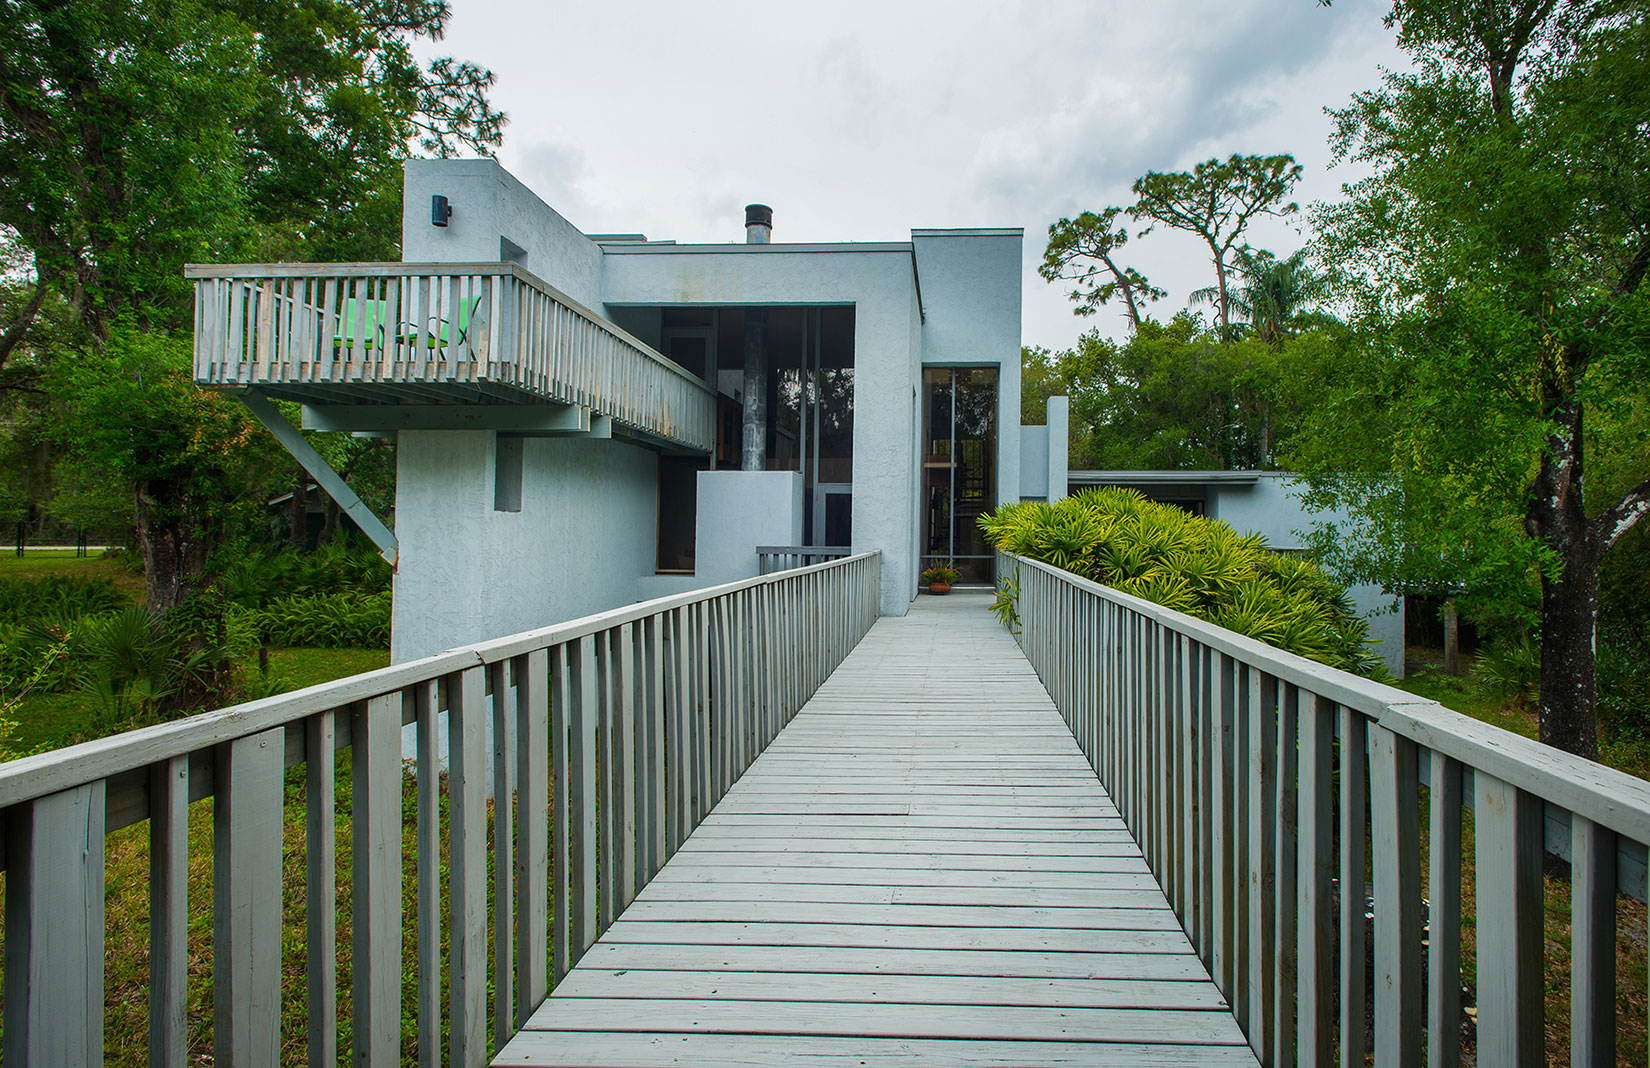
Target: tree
column 1495, row 258
column 1216, row 201
column 137, row 135
column 1176, row 396
column 1095, row 239
column 1273, row 292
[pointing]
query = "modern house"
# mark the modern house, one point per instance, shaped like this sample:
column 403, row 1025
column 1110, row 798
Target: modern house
column 590, row 420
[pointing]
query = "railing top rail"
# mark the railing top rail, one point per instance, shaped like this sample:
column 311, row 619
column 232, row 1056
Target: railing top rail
column 1610, row 798
column 207, row 271
column 77, row 765
column 805, row 550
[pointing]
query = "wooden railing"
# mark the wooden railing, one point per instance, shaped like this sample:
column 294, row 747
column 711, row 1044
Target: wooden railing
column 601, row 743
column 434, row 333
column 771, row 558
column 1263, row 786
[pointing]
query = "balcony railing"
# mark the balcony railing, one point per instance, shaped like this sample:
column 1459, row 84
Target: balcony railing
column 600, row 743
column 434, row 334
column 771, row 558
column 1262, row 787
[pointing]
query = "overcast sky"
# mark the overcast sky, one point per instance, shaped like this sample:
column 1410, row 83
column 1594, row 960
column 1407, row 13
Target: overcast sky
column 860, row 121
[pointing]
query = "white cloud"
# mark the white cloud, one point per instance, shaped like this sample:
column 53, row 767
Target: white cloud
column 860, row 120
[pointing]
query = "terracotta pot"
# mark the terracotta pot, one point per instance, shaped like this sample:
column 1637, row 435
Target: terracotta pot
column 939, row 587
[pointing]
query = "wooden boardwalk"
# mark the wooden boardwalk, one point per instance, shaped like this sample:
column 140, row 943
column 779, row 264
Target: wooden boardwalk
column 920, row 870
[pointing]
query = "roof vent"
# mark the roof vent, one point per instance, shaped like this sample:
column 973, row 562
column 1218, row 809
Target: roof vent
column 758, row 224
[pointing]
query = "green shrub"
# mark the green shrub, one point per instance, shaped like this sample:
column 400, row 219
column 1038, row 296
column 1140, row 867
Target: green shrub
column 57, row 596
column 255, row 578
column 326, row 620
column 1194, row 565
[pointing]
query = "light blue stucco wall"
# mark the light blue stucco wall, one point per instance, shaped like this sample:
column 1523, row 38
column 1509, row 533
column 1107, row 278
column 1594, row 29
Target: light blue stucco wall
column 585, row 533
column 971, row 295
column 489, row 203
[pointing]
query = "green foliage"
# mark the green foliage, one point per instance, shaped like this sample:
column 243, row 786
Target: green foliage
column 254, row 576
column 1495, row 259
column 326, row 620
column 1084, row 250
column 65, row 596
column 1191, row 564
column 1216, row 200
column 941, row 573
column 1178, row 396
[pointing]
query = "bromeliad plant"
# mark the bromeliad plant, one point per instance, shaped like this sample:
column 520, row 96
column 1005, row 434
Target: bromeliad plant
column 1192, row 564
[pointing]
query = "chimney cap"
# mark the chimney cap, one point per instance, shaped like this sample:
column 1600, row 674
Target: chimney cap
column 758, row 215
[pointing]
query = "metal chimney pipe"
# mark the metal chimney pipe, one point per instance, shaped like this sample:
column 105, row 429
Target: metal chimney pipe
column 758, row 224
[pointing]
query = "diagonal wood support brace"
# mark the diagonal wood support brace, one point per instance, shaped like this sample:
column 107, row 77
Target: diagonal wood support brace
column 293, row 441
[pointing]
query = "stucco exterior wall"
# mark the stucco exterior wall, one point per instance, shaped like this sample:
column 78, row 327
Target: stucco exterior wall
column 970, row 285
column 585, row 533
column 489, row 203
column 877, row 281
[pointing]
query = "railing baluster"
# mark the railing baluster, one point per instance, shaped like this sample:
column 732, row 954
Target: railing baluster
column 1507, row 837
column 426, row 698
column 467, row 853
column 1354, row 827
column 1593, row 944
column 54, row 929
column 584, row 724
column 533, row 819
column 375, row 919
column 563, row 743
column 627, row 761
column 321, row 886
column 1444, row 914
column 504, row 855
column 1395, row 838
column 1315, row 975
column 246, row 908
column 168, row 911
column 1286, row 823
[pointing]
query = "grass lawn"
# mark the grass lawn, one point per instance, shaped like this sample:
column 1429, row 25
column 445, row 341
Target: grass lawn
column 38, row 563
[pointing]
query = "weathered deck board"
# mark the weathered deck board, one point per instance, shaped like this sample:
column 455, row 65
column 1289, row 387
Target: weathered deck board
column 920, row 870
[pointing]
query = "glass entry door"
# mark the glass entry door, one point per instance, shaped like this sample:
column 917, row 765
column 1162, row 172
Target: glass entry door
column 959, row 468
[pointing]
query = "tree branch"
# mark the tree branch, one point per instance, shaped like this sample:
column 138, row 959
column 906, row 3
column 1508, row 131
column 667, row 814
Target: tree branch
column 14, row 334
column 1620, row 517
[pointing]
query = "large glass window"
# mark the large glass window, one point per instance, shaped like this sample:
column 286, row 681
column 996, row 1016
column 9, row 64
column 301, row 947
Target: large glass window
column 959, row 467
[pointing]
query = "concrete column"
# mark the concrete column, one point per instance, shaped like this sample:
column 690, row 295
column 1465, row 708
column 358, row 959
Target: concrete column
column 1059, row 439
column 753, row 450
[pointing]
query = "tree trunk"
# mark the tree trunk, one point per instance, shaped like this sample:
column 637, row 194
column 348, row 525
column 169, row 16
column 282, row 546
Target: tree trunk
column 173, row 550
column 1220, row 278
column 1452, row 639
column 297, row 513
column 1569, row 625
column 329, row 529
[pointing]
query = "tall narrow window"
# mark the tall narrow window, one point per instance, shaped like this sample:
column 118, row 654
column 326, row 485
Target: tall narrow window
column 959, row 467
column 507, row 473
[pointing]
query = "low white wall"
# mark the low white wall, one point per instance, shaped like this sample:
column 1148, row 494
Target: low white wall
column 739, row 510
column 587, row 530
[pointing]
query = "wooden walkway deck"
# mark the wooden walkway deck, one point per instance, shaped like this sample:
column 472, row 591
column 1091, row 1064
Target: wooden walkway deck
column 920, row 870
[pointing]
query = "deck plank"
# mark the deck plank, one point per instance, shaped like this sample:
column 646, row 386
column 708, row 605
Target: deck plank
column 920, row 869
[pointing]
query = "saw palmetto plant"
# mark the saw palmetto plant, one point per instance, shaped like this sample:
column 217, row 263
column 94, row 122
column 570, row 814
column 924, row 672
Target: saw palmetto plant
column 1192, row 564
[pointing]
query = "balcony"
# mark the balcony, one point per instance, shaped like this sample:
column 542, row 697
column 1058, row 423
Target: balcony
column 377, row 347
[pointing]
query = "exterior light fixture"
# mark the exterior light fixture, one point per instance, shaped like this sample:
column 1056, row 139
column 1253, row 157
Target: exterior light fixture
column 440, row 210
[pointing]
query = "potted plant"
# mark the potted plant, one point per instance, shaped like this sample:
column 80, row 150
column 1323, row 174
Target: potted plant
column 940, row 578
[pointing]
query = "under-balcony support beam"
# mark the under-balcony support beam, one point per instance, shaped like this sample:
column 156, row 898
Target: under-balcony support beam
column 504, row 418
column 292, row 439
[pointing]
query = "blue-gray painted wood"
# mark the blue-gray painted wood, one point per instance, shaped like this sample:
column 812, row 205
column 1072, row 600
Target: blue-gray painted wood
column 375, row 843
column 246, row 905
column 54, row 930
